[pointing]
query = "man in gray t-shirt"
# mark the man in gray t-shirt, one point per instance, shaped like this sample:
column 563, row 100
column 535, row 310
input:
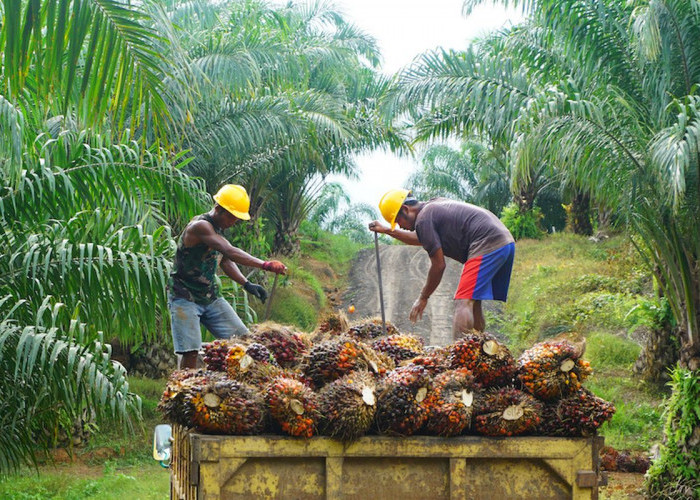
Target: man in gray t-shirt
column 466, row 233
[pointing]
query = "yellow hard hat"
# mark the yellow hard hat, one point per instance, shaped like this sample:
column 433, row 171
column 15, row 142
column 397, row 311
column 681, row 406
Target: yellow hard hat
column 234, row 199
column 390, row 204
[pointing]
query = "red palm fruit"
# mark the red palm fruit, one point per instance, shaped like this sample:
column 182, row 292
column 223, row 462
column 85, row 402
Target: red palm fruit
column 400, row 347
column 489, row 360
column 293, row 407
column 435, row 361
column 348, row 406
column 332, row 359
column 227, row 407
column 580, row 414
column 451, row 403
column 401, row 408
column 215, row 354
column 370, row 328
column 287, row 346
column 174, row 404
column 552, row 370
column 507, row 411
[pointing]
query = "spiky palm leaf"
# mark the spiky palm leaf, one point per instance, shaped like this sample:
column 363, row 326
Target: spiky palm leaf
column 51, row 370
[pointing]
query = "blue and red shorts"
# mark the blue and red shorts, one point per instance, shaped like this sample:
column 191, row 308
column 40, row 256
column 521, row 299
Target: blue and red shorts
column 487, row 277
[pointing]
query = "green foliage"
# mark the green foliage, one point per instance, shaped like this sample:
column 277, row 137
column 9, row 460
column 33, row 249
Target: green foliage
column 50, row 372
column 292, row 308
column 522, row 224
column 676, row 473
column 608, row 351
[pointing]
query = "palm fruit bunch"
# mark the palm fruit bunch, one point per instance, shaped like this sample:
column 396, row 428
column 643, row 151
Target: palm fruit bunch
column 401, row 409
column 334, row 323
column 578, row 415
column 348, row 406
column 400, row 347
column 370, row 328
column 260, row 374
column 227, row 406
column 215, row 354
column 507, row 411
column 435, row 361
column 328, row 361
column 288, row 347
column 553, row 369
column 489, row 360
column 451, row 402
column 293, row 406
column 174, row 403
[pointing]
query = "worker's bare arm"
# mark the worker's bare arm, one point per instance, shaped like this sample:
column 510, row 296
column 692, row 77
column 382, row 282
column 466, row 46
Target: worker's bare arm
column 231, row 270
column 407, row 237
column 437, row 269
column 203, row 232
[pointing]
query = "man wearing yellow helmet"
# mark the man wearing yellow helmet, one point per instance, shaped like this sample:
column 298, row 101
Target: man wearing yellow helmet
column 466, row 233
column 194, row 296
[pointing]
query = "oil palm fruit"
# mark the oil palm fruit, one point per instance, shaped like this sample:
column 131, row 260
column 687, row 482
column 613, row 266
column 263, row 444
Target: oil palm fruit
column 215, row 354
column 489, row 360
column 435, row 361
column 335, row 323
column 401, row 408
column 451, row 402
column 553, row 369
column 227, row 406
column 348, row 406
column 580, row 414
column 370, row 328
column 293, row 407
column 507, row 411
column 328, row 361
column 287, row 346
column 400, row 347
column 174, row 403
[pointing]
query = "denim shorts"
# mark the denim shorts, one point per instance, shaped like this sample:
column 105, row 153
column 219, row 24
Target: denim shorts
column 186, row 316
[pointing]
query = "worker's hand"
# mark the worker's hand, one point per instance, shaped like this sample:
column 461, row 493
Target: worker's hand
column 275, row 266
column 378, row 227
column 256, row 290
column 417, row 309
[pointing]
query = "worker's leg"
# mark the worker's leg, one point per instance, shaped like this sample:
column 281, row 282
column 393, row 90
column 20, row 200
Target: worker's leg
column 187, row 337
column 222, row 321
column 479, row 321
column 465, row 318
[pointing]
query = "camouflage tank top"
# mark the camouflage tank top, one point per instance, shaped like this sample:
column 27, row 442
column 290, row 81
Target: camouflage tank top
column 194, row 271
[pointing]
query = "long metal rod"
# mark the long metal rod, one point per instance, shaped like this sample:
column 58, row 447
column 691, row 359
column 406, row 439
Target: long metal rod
column 379, row 277
column 269, row 299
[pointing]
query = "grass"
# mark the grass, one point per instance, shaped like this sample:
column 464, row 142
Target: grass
column 117, row 464
column 320, row 271
column 566, row 284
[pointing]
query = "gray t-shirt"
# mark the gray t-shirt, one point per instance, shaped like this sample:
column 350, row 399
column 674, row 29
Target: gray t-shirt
column 462, row 230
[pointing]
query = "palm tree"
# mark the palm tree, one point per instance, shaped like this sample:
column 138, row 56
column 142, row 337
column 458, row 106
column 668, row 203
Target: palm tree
column 284, row 96
column 85, row 199
column 624, row 127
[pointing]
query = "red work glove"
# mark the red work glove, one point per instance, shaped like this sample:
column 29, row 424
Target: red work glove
column 275, row 266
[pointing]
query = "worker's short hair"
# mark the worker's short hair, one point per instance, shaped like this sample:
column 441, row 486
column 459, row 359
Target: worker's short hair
column 410, row 200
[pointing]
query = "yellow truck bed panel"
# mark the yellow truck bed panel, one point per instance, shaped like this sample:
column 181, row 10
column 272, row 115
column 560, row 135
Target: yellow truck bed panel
column 376, row 467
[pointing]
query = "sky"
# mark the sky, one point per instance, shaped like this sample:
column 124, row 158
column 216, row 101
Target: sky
column 405, row 29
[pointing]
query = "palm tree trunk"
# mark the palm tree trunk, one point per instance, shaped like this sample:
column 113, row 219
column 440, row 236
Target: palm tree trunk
column 581, row 214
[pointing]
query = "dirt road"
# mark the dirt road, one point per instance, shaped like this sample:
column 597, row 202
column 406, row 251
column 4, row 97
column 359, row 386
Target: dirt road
column 404, row 270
